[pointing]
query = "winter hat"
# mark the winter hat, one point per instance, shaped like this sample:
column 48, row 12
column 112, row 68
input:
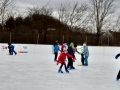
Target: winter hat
column 71, row 44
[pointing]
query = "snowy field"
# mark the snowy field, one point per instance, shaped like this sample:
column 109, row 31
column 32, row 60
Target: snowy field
column 39, row 72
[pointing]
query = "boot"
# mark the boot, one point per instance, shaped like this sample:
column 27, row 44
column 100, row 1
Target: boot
column 67, row 71
column 60, row 71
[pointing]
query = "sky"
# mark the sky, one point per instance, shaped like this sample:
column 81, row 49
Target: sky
column 23, row 4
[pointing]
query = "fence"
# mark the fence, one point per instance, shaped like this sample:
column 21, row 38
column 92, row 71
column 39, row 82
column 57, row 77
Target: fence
column 30, row 38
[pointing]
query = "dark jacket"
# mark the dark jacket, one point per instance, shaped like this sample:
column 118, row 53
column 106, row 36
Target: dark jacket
column 70, row 51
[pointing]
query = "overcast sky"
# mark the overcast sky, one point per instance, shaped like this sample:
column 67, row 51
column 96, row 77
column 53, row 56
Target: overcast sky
column 23, row 4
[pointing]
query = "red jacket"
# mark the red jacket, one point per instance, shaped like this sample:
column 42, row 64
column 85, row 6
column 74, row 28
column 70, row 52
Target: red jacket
column 62, row 57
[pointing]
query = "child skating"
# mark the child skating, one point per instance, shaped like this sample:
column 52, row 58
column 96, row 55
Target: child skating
column 62, row 59
column 56, row 49
column 71, row 51
column 11, row 49
column 86, row 54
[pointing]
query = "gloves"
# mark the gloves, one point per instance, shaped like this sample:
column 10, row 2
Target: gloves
column 74, row 58
column 57, row 63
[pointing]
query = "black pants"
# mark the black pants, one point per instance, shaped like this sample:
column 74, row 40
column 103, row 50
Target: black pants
column 118, row 76
column 64, row 66
column 13, row 52
column 10, row 52
column 82, row 59
column 56, row 54
column 70, row 62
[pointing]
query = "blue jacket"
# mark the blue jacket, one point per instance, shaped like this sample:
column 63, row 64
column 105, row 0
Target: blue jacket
column 12, row 47
column 56, row 48
column 86, row 51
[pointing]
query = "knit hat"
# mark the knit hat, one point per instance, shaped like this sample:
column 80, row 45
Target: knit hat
column 71, row 44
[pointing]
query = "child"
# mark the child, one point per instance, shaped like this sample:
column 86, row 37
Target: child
column 71, row 51
column 56, row 49
column 62, row 59
column 86, row 53
column 12, row 50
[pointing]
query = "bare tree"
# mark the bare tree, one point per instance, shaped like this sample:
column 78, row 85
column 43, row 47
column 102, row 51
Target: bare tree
column 116, row 26
column 44, row 10
column 6, row 6
column 100, row 11
column 72, row 14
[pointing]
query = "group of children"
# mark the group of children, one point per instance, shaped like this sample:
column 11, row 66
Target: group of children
column 68, row 51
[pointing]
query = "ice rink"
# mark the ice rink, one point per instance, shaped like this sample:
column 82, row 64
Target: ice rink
column 39, row 72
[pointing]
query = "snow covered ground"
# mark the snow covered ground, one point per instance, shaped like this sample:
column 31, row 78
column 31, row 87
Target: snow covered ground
column 39, row 72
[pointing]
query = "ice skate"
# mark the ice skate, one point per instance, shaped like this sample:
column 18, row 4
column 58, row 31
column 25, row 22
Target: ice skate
column 85, row 64
column 67, row 71
column 60, row 71
column 117, row 79
column 71, row 68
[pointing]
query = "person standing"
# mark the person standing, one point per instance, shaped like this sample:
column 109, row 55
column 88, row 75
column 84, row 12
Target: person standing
column 71, row 52
column 56, row 49
column 86, row 54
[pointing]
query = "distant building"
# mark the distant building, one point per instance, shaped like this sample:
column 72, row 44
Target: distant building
column 107, row 37
column 107, row 34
